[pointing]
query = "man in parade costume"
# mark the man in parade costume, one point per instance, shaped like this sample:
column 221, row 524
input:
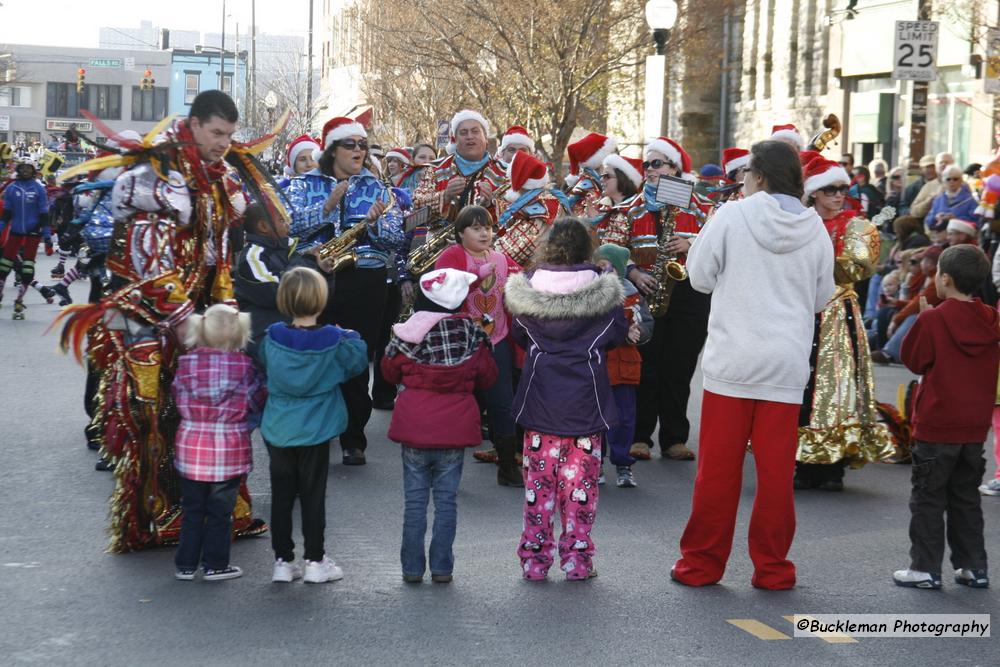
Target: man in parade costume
column 515, row 140
column 532, row 208
column 174, row 206
column 469, row 176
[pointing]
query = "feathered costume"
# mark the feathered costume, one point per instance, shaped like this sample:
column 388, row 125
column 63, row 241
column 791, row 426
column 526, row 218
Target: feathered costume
column 169, row 254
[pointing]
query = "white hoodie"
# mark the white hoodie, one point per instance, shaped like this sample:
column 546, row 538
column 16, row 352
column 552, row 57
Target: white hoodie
column 769, row 272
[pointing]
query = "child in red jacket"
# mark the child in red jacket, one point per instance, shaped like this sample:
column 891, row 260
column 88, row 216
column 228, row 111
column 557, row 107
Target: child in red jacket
column 954, row 346
column 440, row 358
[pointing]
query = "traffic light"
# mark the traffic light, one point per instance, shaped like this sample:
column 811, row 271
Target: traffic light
column 80, row 80
column 147, row 80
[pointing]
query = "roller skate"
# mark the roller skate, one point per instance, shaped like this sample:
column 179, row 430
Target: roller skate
column 47, row 293
column 63, row 292
column 19, row 309
column 58, row 272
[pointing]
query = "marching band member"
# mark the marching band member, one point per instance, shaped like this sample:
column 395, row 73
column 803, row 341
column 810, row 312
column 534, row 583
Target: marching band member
column 670, row 358
column 300, row 158
column 397, row 161
column 470, row 174
column 622, row 179
column 423, row 155
column 790, row 135
column 532, row 208
column 327, row 202
column 838, row 425
column 515, row 139
column 586, row 156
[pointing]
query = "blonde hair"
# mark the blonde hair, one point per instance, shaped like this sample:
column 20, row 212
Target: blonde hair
column 302, row 292
column 222, row 327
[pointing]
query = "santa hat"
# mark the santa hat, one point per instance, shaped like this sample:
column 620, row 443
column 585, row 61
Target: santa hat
column 516, row 136
column 400, row 154
column 341, row 127
column 788, row 132
column 820, row 172
column 963, row 227
column 297, row 145
column 673, row 152
column 588, row 152
column 630, row 166
column 468, row 114
column 525, row 172
column 734, row 158
column 450, row 148
column 446, row 288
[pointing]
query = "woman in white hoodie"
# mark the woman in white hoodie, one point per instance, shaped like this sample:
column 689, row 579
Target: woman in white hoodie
column 768, row 263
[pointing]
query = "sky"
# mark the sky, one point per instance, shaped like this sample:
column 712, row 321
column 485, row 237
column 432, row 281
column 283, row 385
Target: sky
column 76, row 22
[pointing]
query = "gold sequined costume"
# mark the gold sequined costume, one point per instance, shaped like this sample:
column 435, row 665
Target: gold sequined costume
column 839, row 417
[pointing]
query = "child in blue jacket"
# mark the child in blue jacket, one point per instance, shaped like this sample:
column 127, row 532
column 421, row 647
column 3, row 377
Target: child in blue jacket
column 26, row 212
column 306, row 363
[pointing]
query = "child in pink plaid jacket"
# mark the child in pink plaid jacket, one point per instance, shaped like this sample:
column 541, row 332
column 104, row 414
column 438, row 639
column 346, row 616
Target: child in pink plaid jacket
column 218, row 392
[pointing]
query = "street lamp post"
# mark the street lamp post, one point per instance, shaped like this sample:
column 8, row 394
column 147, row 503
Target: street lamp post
column 661, row 15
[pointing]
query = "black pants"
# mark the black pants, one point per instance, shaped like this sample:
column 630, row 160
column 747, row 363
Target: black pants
column 298, row 472
column 207, row 523
column 382, row 391
column 946, row 478
column 668, row 364
column 358, row 304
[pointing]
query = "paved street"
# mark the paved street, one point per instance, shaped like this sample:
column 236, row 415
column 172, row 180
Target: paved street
column 64, row 601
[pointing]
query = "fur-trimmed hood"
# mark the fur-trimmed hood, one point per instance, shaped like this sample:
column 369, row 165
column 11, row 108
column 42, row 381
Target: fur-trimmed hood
column 573, row 292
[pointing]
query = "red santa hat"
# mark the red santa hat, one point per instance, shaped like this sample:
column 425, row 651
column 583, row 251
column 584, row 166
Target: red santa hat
column 630, row 166
column 589, row 151
column 341, row 127
column 963, row 227
column 297, row 145
column 673, row 152
column 525, row 172
column 734, row 158
column 468, row 114
column 400, row 154
column 820, row 172
column 788, row 133
column 516, row 136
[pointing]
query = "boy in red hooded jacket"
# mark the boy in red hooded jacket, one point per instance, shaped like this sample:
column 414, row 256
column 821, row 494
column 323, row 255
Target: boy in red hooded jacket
column 954, row 346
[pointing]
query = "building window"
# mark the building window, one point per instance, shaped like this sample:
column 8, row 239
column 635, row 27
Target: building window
column 15, row 96
column 227, row 84
column 192, row 85
column 62, row 100
column 149, row 105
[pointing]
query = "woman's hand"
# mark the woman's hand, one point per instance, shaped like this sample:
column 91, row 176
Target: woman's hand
column 678, row 245
column 377, row 209
column 336, row 195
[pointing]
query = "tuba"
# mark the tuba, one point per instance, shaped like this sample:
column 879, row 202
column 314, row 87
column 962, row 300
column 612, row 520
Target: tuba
column 666, row 269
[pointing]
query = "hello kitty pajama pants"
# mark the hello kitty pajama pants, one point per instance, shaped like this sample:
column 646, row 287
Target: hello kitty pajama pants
column 559, row 471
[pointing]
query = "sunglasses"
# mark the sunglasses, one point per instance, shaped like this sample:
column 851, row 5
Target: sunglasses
column 845, row 164
column 607, row 177
column 656, row 164
column 897, row 177
column 953, row 178
column 833, row 190
column 352, row 144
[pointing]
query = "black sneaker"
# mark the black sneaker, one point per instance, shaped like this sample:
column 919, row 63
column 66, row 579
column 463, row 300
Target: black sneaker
column 972, row 578
column 228, row 572
column 441, row 578
column 832, row 485
column 104, row 465
column 185, row 574
column 93, row 445
column 354, row 457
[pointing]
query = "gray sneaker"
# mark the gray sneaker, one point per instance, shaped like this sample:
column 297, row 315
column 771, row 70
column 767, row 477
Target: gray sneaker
column 625, row 478
column 990, row 488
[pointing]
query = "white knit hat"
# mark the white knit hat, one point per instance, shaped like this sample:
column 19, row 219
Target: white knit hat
column 447, row 287
column 468, row 114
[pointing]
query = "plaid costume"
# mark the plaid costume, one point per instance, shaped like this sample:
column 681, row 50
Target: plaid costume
column 217, row 395
column 448, row 343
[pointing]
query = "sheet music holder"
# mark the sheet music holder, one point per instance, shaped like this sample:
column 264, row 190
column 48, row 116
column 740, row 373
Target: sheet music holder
column 418, row 218
column 674, row 191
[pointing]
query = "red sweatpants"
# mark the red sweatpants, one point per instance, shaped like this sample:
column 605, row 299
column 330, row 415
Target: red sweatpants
column 726, row 425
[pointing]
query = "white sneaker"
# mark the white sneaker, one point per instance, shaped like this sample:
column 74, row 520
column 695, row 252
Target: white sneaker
column 990, row 488
column 318, row 572
column 286, row 572
column 917, row 579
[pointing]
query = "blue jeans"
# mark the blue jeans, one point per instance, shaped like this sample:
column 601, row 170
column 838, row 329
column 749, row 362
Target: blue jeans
column 874, row 288
column 620, row 437
column 499, row 398
column 895, row 344
column 425, row 470
column 206, row 524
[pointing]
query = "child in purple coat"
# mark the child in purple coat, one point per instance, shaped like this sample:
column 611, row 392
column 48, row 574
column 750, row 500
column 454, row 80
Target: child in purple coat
column 566, row 313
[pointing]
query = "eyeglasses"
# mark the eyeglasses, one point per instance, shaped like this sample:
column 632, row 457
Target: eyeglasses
column 352, row 144
column 656, row 164
column 914, row 262
column 607, row 177
column 897, row 177
column 833, row 190
column 845, row 163
column 953, row 178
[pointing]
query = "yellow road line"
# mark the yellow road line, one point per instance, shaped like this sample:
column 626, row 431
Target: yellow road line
column 830, row 637
column 757, row 629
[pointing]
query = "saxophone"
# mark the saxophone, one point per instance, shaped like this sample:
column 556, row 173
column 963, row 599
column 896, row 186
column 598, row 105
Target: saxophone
column 422, row 259
column 666, row 270
column 340, row 249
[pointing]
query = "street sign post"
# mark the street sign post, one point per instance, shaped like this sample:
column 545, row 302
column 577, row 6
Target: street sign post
column 915, row 53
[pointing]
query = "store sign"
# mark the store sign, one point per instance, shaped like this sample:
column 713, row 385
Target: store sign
column 129, row 64
column 4, row 123
column 111, row 63
column 63, row 125
column 991, row 76
column 916, row 51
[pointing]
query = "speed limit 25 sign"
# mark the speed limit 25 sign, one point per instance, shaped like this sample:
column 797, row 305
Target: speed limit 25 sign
column 916, row 50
